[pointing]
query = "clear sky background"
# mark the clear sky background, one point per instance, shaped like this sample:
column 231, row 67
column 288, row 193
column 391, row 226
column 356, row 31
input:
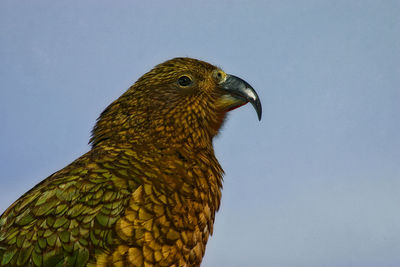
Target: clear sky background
column 315, row 183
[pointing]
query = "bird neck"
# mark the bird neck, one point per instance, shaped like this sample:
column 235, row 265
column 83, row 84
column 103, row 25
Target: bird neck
column 173, row 168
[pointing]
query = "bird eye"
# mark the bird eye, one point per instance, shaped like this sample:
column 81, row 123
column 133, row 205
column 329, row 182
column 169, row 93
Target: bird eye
column 184, row 81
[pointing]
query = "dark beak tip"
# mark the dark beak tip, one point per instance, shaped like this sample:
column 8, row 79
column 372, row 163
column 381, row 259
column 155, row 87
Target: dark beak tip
column 258, row 108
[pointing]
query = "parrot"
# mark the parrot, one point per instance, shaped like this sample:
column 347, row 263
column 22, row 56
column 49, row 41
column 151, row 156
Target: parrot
column 147, row 191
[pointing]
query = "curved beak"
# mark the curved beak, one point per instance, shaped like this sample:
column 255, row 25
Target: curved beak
column 240, row 93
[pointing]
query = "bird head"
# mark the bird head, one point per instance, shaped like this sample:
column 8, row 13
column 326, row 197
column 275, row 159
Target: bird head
column 182, row 99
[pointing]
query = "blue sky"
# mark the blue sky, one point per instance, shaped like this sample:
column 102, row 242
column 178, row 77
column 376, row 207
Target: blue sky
column 315, row 183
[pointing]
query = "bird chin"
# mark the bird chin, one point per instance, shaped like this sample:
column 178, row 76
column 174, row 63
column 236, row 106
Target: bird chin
column 230, row 102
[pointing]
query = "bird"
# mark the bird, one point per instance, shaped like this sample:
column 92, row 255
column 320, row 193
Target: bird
column 147, row 191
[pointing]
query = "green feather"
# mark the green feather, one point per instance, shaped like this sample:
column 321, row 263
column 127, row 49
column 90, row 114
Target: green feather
column 60, row 222
column 52, row 258
column 64, row 236
column 8, row 255
column 24, row 255
column 37, row 258
column 82, row 258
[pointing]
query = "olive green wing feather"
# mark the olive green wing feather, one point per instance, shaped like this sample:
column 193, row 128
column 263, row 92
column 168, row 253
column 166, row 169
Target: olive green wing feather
column 65, row 220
